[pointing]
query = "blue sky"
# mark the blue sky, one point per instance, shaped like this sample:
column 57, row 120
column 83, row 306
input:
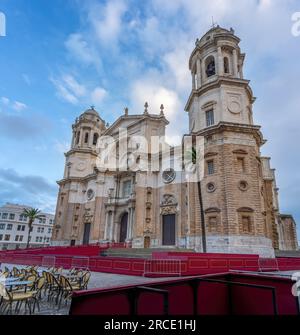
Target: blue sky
column 61, row 56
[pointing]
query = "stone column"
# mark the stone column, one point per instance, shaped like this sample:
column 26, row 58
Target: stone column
column 220, row 62
column 132, row 222
column 112, row 226
column 198, row 73
column 202, row 66
column 193, row 81
column 107, row 214
column 235, row 63
column 129, row 223
column 80, row 143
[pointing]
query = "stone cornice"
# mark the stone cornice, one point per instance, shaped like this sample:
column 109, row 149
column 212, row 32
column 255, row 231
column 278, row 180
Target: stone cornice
column 216, row 84
column 235, row 127
column 77, row 179
column 81, row 150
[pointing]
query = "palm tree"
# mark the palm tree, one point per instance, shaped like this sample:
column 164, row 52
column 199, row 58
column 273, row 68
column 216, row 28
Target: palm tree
column 31, row 214
column 193, row 158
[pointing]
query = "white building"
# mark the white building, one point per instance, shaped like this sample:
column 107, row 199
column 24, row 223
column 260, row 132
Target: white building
column 14, row 228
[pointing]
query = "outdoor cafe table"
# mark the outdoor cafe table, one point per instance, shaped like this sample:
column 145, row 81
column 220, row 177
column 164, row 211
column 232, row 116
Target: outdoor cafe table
column 10, row 284
column 8, row 279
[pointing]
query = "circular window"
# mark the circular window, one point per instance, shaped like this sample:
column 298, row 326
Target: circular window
column 90, row 194
column 168, row 175
column 243, row 185
column 211, row 187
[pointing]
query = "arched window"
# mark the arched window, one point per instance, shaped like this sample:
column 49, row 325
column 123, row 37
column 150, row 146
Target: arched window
column 226, row 65
column 95, row 138
column 210, row 66
column 86, row 138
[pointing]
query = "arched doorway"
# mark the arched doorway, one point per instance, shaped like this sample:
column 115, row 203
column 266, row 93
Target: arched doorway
column 123, row 227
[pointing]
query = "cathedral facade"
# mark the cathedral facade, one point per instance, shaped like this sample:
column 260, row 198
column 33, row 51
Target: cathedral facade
column 232, row 204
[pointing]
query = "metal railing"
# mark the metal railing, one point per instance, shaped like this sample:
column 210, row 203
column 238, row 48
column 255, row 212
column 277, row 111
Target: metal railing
column 170, row 267
column 48, row 261
column 268, row 264
column 80, row 262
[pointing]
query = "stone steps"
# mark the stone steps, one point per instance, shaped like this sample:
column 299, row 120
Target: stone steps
column 287, row 253
column 138, row 252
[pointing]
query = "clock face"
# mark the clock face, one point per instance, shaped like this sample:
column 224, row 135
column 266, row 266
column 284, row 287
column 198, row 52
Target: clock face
column 168, row 175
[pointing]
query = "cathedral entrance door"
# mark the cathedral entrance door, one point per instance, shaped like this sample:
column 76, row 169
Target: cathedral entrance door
column 123, row 227
column 86, row 233
column 168, row 229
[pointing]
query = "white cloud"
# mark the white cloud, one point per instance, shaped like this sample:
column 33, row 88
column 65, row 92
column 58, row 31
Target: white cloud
column 16, row 105
column 19, row 106
column 107, row 20
column 73, row 86
column 72, row 91
column 97, row 95
column 83, row 50
column 63, row 92
column 5, row 100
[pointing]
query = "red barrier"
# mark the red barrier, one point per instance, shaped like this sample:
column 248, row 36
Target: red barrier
column 187, row 264
column 221, row 294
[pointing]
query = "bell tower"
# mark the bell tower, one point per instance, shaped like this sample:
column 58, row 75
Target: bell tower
column 219, row 90
column 220, row 110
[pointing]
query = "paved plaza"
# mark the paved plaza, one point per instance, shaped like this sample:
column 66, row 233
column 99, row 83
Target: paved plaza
column 97, row 280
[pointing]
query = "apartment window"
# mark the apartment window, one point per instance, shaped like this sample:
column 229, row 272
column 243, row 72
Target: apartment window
column 23, row 228
column 1, row 237
column 4, row 216
column 9, row 226
column 21, row 238
column 6, row 237
column 209, row 118
column 42, row 230
column 11, row 216
column 2, row 226
column 49, row 230
column 41, row 239
column 37, row 239
column 126, row 188
column 17, row 238
column 210, row 167
column 22, row 217
column 48, row 239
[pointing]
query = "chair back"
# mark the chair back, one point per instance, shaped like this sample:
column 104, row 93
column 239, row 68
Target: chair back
column 33, row 279
column 40, row 283
column 85, row 279
column 65, row 284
